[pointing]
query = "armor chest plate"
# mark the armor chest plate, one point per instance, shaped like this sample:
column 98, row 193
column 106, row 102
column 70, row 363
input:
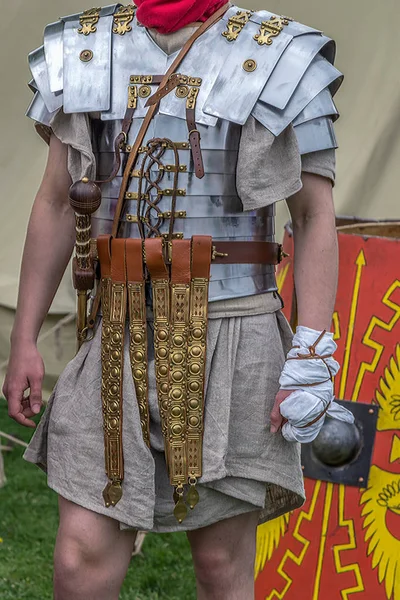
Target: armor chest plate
column 208, row 206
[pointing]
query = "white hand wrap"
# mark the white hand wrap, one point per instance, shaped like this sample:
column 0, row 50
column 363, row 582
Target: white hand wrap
column 309, row 370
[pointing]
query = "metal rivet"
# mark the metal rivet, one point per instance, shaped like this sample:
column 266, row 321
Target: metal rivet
column 144, row 91
column 361, row 479
column 371, row 411
column 86, row 55
column 249, row 65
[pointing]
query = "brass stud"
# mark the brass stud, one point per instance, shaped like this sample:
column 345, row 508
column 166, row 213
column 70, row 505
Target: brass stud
column 177, row 429
column 86, row 55
column 193, row 421
column 182, row 91
column 193, row 403
column 85, row 179
column 144, row 91
column 249, row 65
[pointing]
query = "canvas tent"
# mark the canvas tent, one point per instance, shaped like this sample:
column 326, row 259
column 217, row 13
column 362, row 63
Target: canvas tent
column 368, row 132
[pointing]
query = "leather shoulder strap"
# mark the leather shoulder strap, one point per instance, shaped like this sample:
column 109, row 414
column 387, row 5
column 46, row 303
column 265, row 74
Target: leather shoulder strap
column 152, row 109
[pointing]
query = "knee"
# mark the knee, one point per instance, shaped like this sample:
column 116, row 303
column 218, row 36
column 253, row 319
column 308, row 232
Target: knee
column 74, row 557
column 214, row 566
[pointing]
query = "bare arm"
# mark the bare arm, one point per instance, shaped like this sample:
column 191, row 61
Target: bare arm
column 316, row 251
column 316, row 261
column 48, row 248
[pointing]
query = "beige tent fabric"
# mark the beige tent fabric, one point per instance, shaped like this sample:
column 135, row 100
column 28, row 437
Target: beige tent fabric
column 368, row 131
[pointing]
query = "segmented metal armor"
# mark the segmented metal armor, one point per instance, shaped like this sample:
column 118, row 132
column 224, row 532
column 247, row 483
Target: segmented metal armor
column 182, row 186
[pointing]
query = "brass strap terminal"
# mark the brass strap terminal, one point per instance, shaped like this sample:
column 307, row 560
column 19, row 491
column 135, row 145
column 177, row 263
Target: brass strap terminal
column 270, row 29
column 236, row 24
column 88, row 21
column 123, row 19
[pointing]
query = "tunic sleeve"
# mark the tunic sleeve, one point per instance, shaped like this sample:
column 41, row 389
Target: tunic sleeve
column 321, row 163
column 269, row 167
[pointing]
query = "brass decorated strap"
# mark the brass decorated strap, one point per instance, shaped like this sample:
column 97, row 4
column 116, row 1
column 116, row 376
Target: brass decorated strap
column 138, row 330
column 180, row 305
column 113, row 325
column 161, row 304
column 201, row 260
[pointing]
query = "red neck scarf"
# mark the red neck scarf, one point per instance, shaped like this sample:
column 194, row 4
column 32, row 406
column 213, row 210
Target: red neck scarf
column 167, row 16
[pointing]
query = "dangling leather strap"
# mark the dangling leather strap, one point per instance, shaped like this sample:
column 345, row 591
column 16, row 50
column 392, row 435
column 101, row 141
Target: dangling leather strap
column 138, row 330
column 178, row 354
column 150, row 113
column 196, row 361
column 112, row 257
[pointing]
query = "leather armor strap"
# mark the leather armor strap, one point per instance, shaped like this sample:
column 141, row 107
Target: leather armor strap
column 150, row 113
column 138, row 330
column 196, row 363
column 161, row 309
column 194, row 140
column 113, row 327
column 178, row 357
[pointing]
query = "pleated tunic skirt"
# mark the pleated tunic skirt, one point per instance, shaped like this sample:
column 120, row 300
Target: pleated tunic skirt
column 245, row 467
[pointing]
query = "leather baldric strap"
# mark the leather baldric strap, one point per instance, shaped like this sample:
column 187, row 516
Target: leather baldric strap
column 150, row 113
column 138, row 330
column 112, row 256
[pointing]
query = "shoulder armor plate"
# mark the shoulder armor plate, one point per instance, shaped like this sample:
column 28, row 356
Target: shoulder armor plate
column 315, row 135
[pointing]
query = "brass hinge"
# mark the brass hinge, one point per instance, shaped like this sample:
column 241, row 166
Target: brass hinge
column 88, row 21
column 192, row 98
column 270, row 29
column 173, row 168
column 132, row 96
column 236, row 24
column 169, row 192
column 135, row 196
column 142, row 79
column 123, row 18
column 134, row 219
column 180, row 214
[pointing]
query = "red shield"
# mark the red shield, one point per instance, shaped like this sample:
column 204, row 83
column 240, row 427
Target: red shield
column 345, row 541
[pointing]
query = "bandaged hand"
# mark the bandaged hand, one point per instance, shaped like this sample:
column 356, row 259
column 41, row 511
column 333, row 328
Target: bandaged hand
column 307, row 377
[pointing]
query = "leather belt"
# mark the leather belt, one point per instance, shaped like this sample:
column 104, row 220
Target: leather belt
column 230, row 253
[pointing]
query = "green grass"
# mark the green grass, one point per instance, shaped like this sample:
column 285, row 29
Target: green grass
column 28, row 525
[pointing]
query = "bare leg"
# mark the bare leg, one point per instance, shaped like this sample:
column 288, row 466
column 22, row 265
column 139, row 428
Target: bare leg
column 223, row 557
column 91, row 555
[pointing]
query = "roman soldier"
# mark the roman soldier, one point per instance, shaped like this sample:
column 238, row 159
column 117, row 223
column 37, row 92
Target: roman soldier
column 173, row 131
